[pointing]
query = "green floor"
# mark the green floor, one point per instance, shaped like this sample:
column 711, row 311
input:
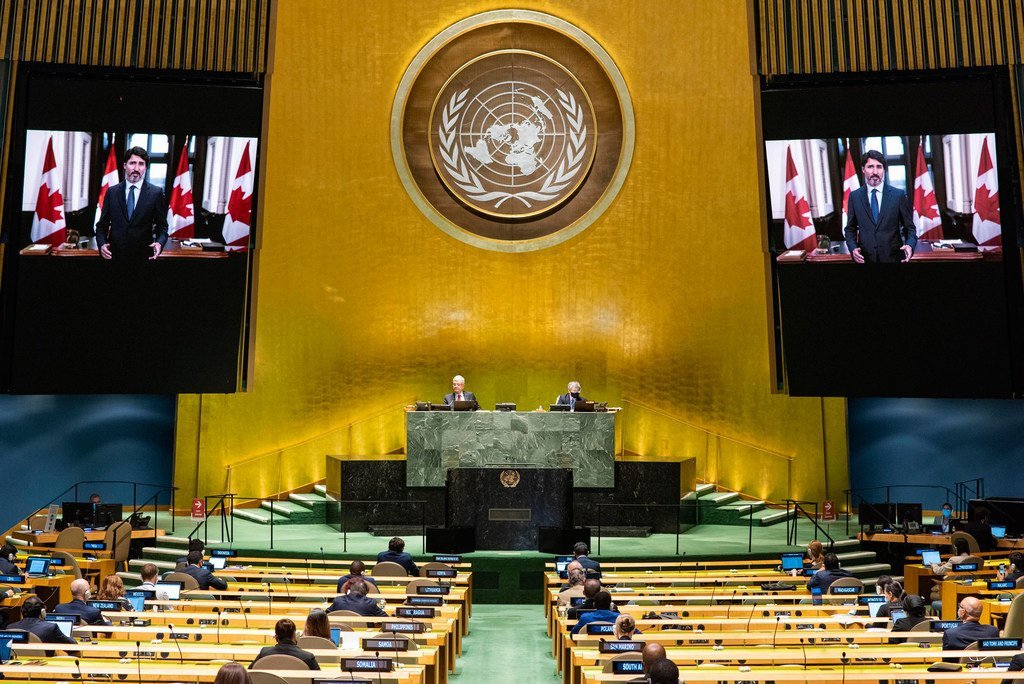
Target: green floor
column 507, row 644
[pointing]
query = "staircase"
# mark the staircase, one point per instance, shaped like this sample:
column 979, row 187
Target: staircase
column 727, row 508
column 299, row 509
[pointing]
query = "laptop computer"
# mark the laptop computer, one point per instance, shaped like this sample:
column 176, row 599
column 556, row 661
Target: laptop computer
column 463, row 405
column 931, row 557
column 999, row 531
column 218, row 562
column 65, row 623
column 172, row 588
column 562, row 562
column 138, row 601
column 37, row 566
column 792, row 561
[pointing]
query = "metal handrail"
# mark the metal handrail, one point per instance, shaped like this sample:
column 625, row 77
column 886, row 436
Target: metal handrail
column 677, row 506
column 798, row 508
column 344, row 521
column 156, row 510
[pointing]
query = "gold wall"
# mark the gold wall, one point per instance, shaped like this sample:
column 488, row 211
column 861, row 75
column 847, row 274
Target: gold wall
column 363, row 305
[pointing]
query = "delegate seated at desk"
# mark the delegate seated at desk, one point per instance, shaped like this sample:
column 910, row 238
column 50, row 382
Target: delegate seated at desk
column 459, row 393
column 33, row 612
column 8, row 558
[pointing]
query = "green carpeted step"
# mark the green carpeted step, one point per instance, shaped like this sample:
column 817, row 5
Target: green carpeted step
column 256, row 515
column 314, row 503
column 869, row 570
column 164, row 565
column 854, row 557
column 717, row 499
column 765, row 517
column 729, row 514
column 282, row 509
column 322, row 491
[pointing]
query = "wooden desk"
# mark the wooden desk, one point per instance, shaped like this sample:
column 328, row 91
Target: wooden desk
column 65, row 669
column 953, row 593
column 50, row 538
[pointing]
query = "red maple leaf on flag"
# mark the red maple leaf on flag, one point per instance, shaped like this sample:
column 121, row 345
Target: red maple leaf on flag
column 180, row 208
column 986, row 206
column 239, row 207
column 49, row 207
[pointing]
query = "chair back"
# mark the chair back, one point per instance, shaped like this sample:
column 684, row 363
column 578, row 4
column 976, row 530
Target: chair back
column 119, row 540
column 279, row 661
column 311, row 642
column 388, row 569
column 344, row 613
column 972, row 543
column 412, row 587
column 622, row 657
column 1014, row 627
column 258, row 677
column 188, row 581
column 433, row 565
column 1019, row 584
column 70, row 538
column 846, row 582
column 978, row 659
column 413, row 646
column 70, row 564
column 924, row 626
column 337, row 620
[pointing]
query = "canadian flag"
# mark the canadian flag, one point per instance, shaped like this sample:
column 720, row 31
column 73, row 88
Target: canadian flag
column 986, row 202
column 48, row 219
column 239, row 216
column 108, row 181
column 926, row 208
column 850, row 183
column 798, row 229
column 181, row 217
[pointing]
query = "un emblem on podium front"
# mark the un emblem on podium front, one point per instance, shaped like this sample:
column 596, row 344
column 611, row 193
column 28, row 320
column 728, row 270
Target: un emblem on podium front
column 501, row 144
column 509, row 478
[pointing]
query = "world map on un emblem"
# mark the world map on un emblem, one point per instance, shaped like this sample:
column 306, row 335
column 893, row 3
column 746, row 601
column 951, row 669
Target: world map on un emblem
column 513, row 134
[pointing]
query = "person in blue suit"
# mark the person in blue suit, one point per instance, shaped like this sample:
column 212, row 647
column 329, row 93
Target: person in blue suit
column 204, row 577
column 396, row 554
column 133, row 221
column 880, row 225
column 602, row 612
column 357, row 602
column 33, row 620
column 77, row 606
column 590, row 566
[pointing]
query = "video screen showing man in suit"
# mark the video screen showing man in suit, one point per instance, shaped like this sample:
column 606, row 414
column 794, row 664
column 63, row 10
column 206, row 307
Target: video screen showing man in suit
column 133, row 221
column 136, row 196
column 879, row 226
column 885, row 199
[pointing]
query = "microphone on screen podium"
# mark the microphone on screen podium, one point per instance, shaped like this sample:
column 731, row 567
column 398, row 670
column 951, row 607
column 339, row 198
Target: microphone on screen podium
column 376, row 654
column 138, row 659
column 287, row 592
column 803, row 651
column 843, row 660
column 714, row 588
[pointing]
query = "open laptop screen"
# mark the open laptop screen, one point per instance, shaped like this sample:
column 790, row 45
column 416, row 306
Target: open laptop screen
column 173, row 589
column 931, row 557
column 999, row 531
column 65, row 622
column 37, row 565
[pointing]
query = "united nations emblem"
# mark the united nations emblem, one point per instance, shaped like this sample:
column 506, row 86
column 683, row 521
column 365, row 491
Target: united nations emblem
column 512, row 130
column 509, row 478
column 513, row 134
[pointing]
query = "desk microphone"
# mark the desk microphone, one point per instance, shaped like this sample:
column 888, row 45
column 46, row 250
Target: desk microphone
column 307, row 571
column 324, row 561
column 729, row 607
column 750, row 618
column 216, row 611
column 241, row 609
column 803, row 651
column 376, row 654
column 270, row 596
column 714, row 588
column 138, row 660
column 174, row 638
column 287, row 591
column 843, row 660
column 778, row 619
column 79, row 668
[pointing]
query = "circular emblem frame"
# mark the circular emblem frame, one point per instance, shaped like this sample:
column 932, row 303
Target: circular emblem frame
column 512, row 183
column 509, row 478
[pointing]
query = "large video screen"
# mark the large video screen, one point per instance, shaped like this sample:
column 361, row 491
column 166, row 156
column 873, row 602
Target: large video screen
column 186, row 192
column 130, row 222
column 886, row 234
column 885, row 198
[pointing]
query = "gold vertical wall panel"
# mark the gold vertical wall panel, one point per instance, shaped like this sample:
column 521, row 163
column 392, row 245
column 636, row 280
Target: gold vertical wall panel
column 363, row 304
column 880, row 35
column 193, row 35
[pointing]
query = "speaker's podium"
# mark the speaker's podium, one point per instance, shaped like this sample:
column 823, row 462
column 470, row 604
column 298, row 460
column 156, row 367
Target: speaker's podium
column 508, row 506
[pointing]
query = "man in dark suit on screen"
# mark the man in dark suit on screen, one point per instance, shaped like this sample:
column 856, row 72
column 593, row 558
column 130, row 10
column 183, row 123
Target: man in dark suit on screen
column 133, row 221
column 880, row 225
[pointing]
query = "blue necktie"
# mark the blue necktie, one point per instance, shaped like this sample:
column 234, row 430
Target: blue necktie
column 131, row 202
column 572, row 403
column 874, row 206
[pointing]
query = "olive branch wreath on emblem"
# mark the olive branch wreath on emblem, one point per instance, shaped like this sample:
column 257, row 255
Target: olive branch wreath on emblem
column 468, row 180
